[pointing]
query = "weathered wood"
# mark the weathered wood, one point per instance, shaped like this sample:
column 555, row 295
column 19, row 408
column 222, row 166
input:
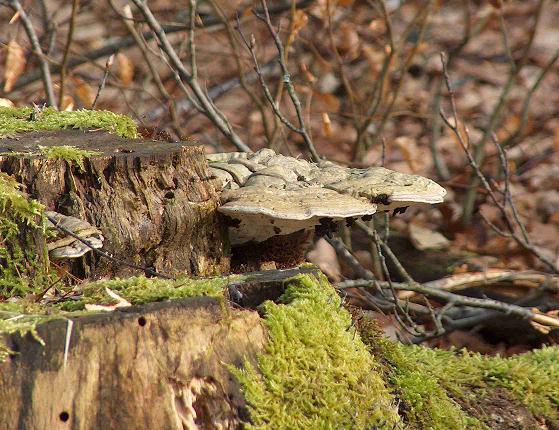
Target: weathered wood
column 155, row 202
column 158, row 366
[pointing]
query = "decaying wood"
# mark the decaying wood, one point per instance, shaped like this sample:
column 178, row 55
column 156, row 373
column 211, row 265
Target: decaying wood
column 158, row 366
column 155, row 202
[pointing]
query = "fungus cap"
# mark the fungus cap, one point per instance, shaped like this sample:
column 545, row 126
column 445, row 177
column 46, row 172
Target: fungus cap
column 66, row 246
column 278, row 195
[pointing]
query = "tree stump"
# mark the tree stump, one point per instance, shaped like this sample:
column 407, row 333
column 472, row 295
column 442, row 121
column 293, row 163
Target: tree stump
column 156, row 366
column 155, row 202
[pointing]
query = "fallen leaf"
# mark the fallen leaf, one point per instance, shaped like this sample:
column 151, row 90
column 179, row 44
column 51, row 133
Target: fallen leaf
column 125, row 69
column 15, row 65
column 423, row 238
column 84, row 92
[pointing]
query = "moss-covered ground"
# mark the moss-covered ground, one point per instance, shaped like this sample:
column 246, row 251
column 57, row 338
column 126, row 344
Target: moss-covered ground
column 319, row 373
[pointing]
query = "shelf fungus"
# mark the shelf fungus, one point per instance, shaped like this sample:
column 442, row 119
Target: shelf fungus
column 266, row 195
column 63, row 245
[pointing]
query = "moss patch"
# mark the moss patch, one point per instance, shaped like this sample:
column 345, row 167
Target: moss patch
column 19, row 268
column 444, row 389
column 19, row 120
column 71, row 154
column 139, row 290
column 24, row 270
column 316, row 372
column 531, row 378
column 23, row 316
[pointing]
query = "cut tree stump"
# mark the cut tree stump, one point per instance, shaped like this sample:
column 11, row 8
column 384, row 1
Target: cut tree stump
column 155, row 202
column 156, row 366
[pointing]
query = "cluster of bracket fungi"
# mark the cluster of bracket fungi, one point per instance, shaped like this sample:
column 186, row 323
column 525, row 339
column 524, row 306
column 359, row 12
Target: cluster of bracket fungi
column 265, row 194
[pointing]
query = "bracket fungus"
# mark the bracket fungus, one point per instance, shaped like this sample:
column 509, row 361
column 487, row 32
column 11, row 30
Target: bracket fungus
column 66, row 246
column 267, row 194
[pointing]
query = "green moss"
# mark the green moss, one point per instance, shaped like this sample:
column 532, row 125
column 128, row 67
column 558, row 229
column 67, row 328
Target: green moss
column 19, row 267
column 23, row 269
column 19, row 120
column 139, row 290
column 316, row 373
column 71, row 154
column 428, row 404
column 438, row 389
column 531, row 378
column 23, row 316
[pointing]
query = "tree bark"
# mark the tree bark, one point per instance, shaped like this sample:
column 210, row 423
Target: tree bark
column 155, row 202
column 157, row 366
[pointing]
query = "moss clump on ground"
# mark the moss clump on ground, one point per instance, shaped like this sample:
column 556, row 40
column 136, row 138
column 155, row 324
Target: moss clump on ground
column 139, row 290
column 441, row 390
column 316, row 373
column 19, row 120
column 531, row 378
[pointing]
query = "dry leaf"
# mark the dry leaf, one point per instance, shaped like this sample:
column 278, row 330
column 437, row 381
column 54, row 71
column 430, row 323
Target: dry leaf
column 6, row 103
column 15, row 17
column 300, row 19
column 67, row 104
column 423, row 238
column 125, row 69
column 326, row 125
column 410, row 152
column 84, row 92
column 15, row 65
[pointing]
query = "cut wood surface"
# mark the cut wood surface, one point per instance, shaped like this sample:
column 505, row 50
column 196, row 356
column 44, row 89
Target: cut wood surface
column 157, row 366
column 155, row 202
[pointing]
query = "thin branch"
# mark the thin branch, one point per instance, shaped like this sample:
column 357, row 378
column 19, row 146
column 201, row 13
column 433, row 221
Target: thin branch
column 287, row 81
column 512, row 223
column 209, row 110
column 515, row 68
column 64, row 63
column 34, row 40
column 458, row 300
column 108, row 65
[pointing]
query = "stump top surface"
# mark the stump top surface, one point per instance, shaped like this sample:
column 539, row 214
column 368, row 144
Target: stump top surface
column 91, row 140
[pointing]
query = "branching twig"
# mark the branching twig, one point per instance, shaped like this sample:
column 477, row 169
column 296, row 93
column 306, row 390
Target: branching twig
column 515, row 68
column 208, row 108
column 513, row 223
column 34, row 40
column 301, row 129
column 458, row 300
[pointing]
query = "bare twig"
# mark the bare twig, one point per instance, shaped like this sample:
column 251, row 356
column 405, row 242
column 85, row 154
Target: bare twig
column 513, row 223
column 208, row 108
column 458, row 300
column 301, row 129
column 515, row 68
column 108, row 65
column 64, row 63
column 34, row 40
